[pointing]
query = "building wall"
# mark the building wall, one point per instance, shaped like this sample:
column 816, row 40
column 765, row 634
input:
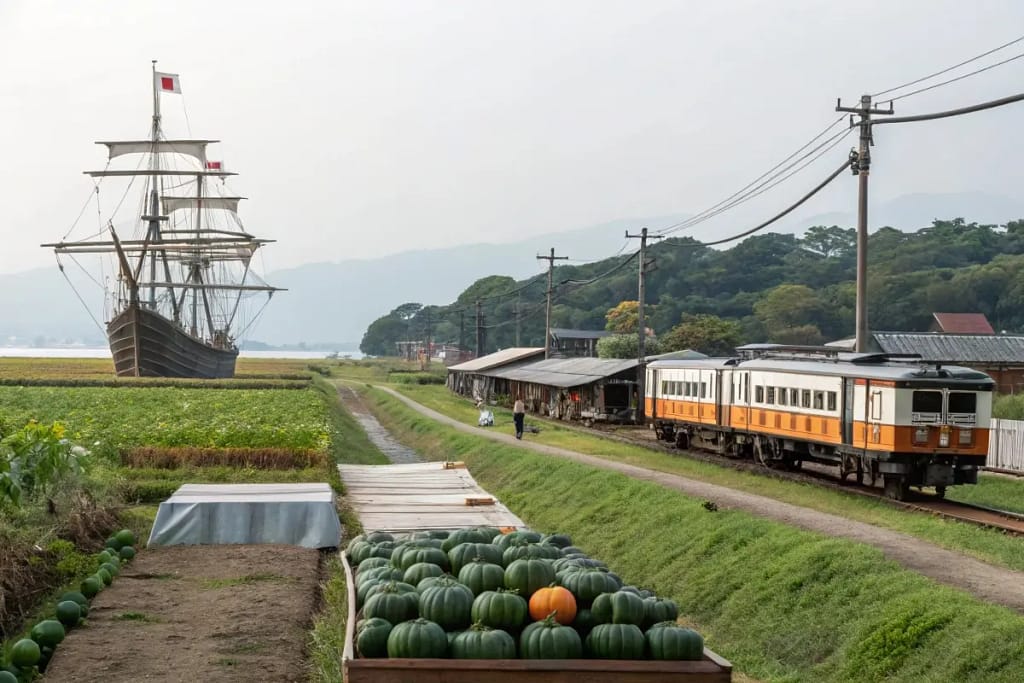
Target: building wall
column 1008, row 379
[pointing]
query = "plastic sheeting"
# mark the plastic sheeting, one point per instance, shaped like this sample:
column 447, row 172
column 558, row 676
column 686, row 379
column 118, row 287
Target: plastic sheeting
column 290, row 514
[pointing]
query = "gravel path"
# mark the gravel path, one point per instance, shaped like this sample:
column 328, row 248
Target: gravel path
column 381, row 438
column 987, row 582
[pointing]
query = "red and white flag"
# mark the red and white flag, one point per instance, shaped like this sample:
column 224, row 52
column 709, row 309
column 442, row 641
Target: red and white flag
column 168, row 83
column 214, row 166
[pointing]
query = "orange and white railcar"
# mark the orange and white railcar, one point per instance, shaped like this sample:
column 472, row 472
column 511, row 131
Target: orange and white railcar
column 871, row 415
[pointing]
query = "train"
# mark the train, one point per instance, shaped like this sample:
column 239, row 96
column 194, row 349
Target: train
column 874, row 416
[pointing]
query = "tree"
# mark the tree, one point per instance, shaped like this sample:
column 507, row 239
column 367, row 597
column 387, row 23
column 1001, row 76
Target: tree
column 624, row 318
column 625, row 346
column 705, row 333
column 788, row 306
column 831, row 241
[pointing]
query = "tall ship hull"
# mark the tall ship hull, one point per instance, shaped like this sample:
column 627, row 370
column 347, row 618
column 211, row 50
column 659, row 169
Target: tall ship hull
column 176, row 267
column 146, row 344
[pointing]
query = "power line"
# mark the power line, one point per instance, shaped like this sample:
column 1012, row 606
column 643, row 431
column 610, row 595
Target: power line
column 584, row 283
column 948, row 69
column 775, row 180
column 701, row 216
column 992, row 104
column 958, row 78
column 835, row 174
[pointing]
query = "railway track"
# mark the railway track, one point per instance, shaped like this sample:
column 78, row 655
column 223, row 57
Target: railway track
column 820, row 475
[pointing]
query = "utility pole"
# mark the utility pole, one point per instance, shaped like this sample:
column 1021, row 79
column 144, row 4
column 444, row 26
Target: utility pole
column 462, row 330
column 516, row 313
column 641, row 352
column 429, row 330
column 861, row 168
column 479, row 331
column 547, row 315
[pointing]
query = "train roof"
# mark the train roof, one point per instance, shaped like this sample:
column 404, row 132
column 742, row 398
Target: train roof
column 866, row 366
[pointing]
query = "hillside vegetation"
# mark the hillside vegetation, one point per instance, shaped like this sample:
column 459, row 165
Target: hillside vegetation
column 773, row 287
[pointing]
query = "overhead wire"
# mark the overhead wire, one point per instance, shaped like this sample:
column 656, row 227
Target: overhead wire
column 835, row 174
column 954, row 80
column 739, row 193
column 948, row 69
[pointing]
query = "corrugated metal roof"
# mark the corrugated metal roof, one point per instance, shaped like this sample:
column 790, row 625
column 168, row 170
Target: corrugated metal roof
column 963, row 323
column 685, row 354
column 955, row 348
column 564, row 372
column 498, row 358
column 565, row 333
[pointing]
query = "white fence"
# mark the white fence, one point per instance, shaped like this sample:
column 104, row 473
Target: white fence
column 1006, row 445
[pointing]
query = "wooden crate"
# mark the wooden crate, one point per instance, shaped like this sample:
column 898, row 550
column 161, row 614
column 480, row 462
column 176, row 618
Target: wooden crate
column 711, row 669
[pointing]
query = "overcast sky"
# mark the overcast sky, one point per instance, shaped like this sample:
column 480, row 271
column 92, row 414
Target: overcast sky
column 366, row 128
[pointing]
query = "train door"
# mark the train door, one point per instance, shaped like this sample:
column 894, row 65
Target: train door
column 720, row 416
column 652, row 389
column 848, row 384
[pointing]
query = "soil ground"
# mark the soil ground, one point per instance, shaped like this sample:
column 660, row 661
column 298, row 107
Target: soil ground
column 992, row 584
column 198, row 613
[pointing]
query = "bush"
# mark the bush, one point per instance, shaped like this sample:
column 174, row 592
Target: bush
column 34, row 458
column 1009, row 407
column 258, row 458
column 399, row 377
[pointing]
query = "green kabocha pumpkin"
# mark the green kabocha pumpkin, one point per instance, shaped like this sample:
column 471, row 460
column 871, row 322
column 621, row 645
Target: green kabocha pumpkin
column 372, row 563
column 448, row 606
column 526, row 576
column 361, row 538
column 669, row 640
column 380, row 574
column 481, row 576
column 372, row 637
column 359, row 551
column 379, row 537
column 616, row 641
column 657, row 610
column 414, row 555
column 500, row 609
column 530, row 550
column 431, row 581
column 488, row 532
column 417, row 638
column 463, row 536
column 584, row 622
column 439, row 534
column 558, row 540
column 391, row 605
column 420, row 571
column 631, row 589
column 483, row 642
column 619, row 607
column 587, row 583
column 505, row 540
column 550, row 640
column 464, row 553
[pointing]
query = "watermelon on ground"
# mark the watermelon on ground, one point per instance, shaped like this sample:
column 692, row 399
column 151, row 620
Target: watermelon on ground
column 48, row 633
column 125, row 537
column 91, row 586
column 25, row 653
column 69, row 613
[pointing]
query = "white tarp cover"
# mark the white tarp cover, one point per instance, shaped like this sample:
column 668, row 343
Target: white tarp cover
column 213, row 514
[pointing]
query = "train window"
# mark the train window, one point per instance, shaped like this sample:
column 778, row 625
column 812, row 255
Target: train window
column 960, row 402
column 782, row 396
column 771, row 396
column 794, row 397
column 832, row 400
column 758, row 394
column 664, row 387
column 805, row 398
column 876, row 405
column 703, row 389
column 927, row 402
column 819, row 400
column 677, row 389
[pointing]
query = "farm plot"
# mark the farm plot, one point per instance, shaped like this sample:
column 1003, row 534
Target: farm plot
column 108, row 419
column 224, row 613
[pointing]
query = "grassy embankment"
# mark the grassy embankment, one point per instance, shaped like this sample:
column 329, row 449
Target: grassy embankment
column 782, row 604
column 195, row 435
column 985, row 544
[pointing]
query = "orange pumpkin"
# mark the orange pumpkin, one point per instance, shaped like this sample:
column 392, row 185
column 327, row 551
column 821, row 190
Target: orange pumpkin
column 553, row 599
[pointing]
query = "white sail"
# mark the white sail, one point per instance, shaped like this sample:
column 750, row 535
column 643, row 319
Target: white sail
column 172, row 204
column 192, row 148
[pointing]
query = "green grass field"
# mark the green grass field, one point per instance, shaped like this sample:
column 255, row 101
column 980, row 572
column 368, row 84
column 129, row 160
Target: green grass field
column 985, row 544
column 782, row 604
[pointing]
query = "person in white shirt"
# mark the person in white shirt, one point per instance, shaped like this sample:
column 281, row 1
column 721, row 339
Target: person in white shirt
column 519, row 416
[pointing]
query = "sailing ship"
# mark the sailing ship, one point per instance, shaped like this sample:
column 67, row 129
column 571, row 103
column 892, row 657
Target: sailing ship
column 184, row 285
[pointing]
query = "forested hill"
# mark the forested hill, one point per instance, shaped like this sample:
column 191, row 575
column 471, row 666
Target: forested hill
column 773, row 287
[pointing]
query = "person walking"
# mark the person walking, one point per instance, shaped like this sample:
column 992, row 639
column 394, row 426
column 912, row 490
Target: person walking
column 519, row 415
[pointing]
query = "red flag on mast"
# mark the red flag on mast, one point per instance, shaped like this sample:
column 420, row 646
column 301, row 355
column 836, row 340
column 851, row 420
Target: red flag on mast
column 168, row 82
column 214, row 166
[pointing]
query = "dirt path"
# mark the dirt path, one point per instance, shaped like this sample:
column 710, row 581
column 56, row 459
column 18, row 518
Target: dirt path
column 987, row 582
column 198, row 613
column 380, row 437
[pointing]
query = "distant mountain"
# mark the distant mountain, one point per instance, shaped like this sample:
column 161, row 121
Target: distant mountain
column 335, row 302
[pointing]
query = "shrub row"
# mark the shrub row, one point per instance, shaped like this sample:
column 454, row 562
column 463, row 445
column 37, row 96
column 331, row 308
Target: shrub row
column 137, row 382
column 258, row 458
column 414, row 378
